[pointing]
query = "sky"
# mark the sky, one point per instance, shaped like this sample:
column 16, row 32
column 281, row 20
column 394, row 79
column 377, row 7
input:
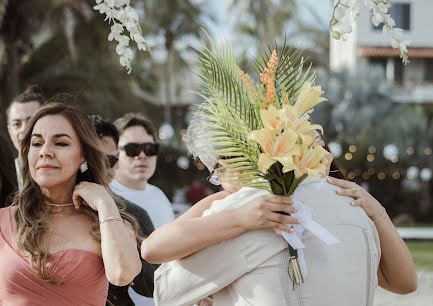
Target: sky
column 223, row 28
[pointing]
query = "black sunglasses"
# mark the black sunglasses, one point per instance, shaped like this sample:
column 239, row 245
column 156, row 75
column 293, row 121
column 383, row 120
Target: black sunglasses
column 111, row 160
column 134, row 149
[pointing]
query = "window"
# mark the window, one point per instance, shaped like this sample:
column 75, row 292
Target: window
column 400, row 12
column 398, row 70
column 428, row 72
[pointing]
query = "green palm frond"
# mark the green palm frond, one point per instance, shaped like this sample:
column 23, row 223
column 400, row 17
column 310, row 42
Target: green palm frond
column 220, row 77
column 229, row 114
column 290, row 74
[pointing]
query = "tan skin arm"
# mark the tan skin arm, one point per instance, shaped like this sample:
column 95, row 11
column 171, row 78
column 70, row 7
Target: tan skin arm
column 118, row 244
column 191, row 232
column 396, row 271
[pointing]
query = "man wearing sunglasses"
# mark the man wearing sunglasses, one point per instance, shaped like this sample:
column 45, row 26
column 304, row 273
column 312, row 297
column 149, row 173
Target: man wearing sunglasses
column 143, row 282
column 137, row 163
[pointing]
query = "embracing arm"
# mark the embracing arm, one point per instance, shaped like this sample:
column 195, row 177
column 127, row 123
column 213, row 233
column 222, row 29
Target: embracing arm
column 396, row 271
column 191, row 232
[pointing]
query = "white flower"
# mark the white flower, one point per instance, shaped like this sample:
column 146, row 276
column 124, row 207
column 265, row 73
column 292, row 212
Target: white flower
column 128, row 53
column 120, row 49
column 142, row 46
column 124, row 40
column 403, row 46
column 131, row 13
column 124, row 17
column 377, row 19
column 138, row 38
column 102, row 8
column 346, row 11
column 124, row 61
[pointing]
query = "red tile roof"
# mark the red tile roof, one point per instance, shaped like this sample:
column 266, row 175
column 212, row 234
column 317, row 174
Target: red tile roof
column 370, row 51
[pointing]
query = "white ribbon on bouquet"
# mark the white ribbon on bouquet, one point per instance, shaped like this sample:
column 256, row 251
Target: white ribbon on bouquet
column 306, row 214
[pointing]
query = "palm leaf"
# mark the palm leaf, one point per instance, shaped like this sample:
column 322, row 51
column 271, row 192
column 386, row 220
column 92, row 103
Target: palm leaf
column 228, row 113
column 290, row 74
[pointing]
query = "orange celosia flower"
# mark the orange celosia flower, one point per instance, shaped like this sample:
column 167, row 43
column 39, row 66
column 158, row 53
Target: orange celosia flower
column 267, row 78
column 249, row 84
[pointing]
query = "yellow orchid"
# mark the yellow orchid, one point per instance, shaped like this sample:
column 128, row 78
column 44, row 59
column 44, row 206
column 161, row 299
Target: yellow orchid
column 273, row 118
column 276, row 146
column 312, row 162
column 308, row 98
column 289, row 118
column 301, row 125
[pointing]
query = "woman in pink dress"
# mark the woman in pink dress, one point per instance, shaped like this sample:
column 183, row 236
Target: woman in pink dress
column 63, row 238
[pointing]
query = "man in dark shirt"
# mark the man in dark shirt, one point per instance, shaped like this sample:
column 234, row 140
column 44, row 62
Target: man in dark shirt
column 143, row 282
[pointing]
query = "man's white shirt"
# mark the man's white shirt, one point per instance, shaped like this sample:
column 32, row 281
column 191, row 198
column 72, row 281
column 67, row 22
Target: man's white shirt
column 151, row 199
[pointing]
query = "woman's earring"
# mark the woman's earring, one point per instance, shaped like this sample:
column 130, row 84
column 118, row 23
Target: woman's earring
column 214, row 180
column 83, row 167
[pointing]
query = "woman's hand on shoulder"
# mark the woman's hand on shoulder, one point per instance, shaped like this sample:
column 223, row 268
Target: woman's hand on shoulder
column 264, row 212
column 91, row 194
column 361, row 197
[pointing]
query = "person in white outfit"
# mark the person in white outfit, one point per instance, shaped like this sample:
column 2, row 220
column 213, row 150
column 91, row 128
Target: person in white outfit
column 252, row 267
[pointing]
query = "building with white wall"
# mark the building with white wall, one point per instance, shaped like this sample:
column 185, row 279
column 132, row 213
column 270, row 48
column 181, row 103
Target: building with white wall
column 368, row 46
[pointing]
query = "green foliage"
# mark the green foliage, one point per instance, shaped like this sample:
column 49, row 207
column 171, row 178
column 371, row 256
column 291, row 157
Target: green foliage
column 231, row 115
column 421, row 252
column 290, row 74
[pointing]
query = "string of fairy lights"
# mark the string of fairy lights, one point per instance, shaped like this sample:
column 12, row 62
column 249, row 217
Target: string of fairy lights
column 390, row 152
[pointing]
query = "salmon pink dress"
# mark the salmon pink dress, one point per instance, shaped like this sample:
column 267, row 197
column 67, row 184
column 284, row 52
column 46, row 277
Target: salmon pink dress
column 82, row 273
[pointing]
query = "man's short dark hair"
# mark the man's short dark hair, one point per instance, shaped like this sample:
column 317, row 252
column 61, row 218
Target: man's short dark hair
column 104, row 127
column 33, row 93
column 135, row 119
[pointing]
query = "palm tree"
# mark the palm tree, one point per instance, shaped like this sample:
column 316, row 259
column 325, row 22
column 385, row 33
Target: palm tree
column 268, row 21
column 62, row 45
column 264, row 19
column 175, row 22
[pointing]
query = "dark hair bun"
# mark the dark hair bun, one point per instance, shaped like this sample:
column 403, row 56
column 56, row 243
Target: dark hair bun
column 35, row 89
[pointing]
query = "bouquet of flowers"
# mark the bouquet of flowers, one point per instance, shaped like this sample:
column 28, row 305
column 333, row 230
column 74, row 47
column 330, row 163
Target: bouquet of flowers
column 263, row 128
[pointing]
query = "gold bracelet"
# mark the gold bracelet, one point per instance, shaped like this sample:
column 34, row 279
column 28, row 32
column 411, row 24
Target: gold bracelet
column 110, row 219
column 383, row 215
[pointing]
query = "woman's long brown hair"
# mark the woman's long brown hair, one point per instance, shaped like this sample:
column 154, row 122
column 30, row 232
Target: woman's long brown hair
column 31, row 215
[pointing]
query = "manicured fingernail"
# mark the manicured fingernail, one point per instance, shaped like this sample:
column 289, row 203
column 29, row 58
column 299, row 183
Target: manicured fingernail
column 338, row 191
column 291, row 230
column 352, row 203
column 329, row 179
column 299, row 221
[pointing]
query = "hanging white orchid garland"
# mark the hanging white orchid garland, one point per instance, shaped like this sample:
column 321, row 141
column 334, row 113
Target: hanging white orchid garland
column 125, row 19
column 344, row 13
